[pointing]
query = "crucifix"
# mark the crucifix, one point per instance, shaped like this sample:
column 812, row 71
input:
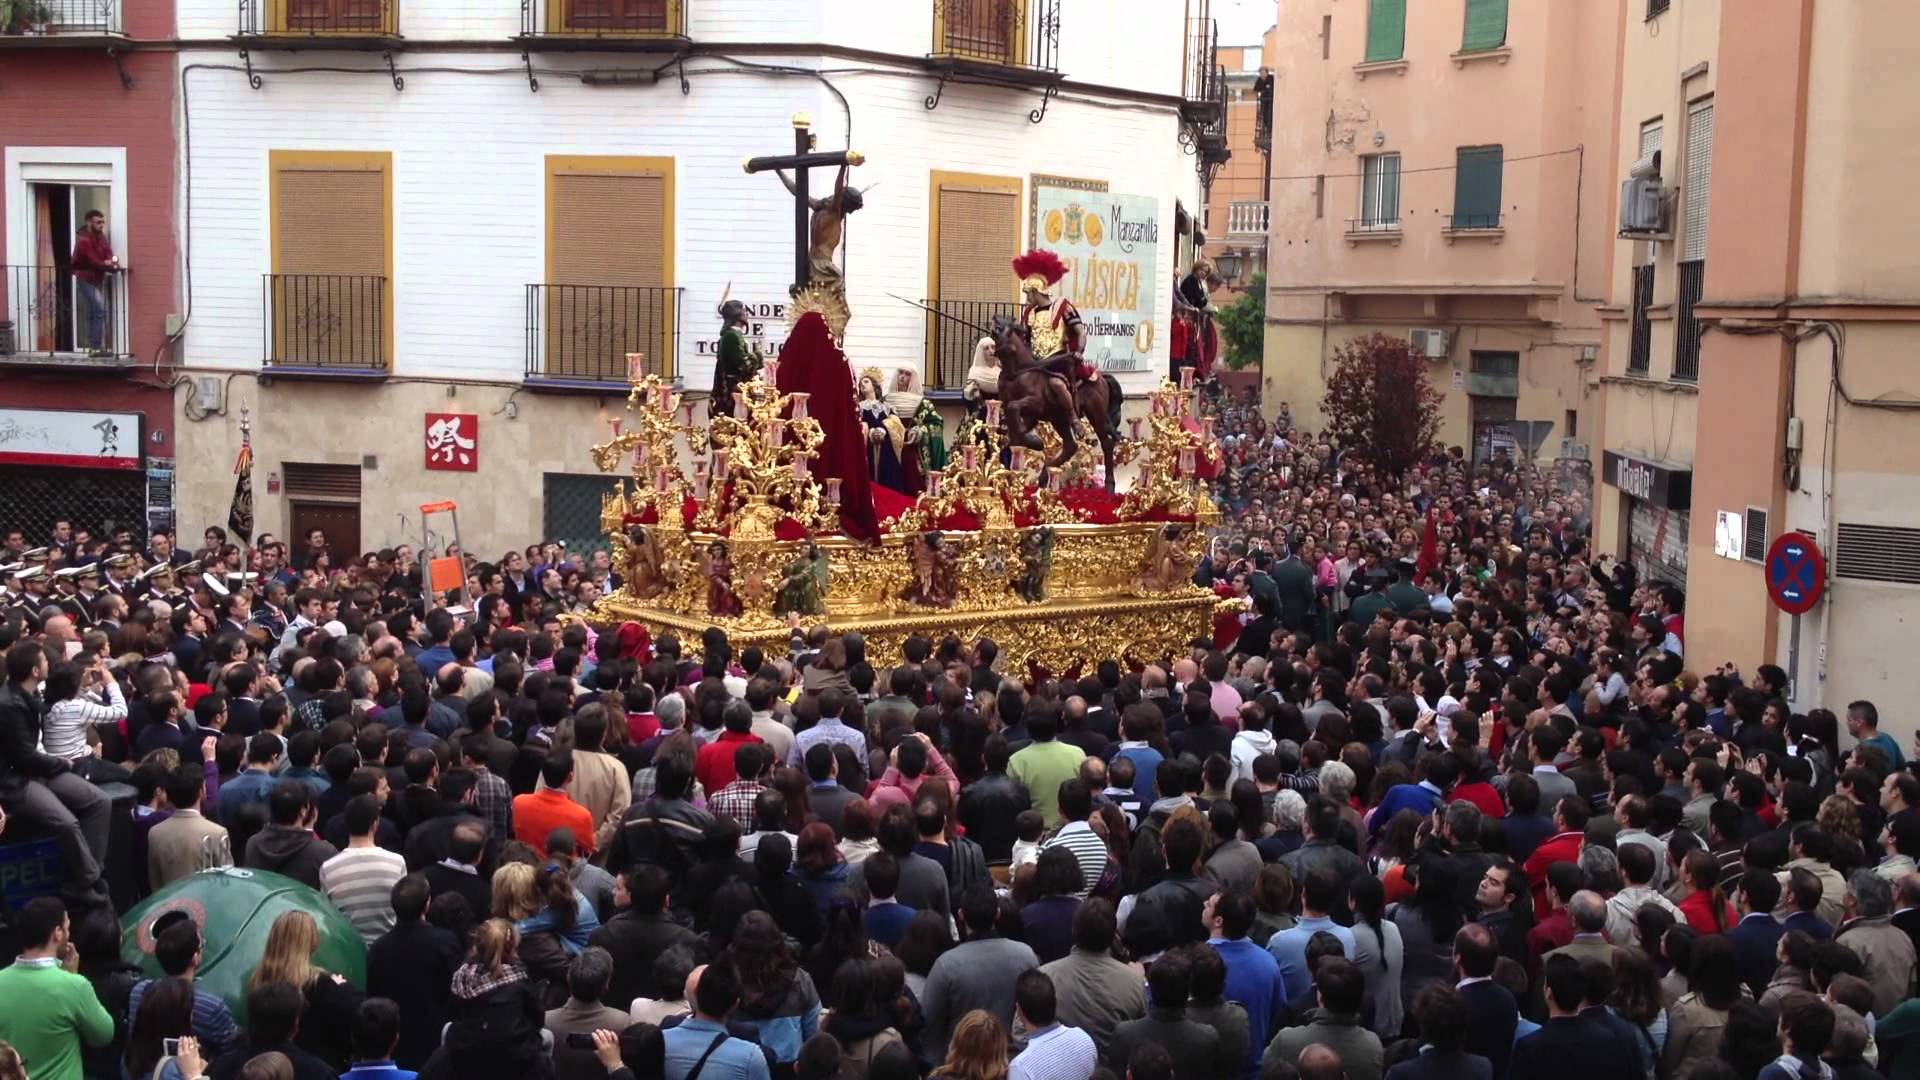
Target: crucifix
column 815, row 241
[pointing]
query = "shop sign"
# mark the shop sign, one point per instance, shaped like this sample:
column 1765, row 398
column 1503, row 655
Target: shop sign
column 63, row 439
column 453, row 442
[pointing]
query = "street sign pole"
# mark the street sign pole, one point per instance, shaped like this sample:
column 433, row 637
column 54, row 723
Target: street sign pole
column 1793, row 659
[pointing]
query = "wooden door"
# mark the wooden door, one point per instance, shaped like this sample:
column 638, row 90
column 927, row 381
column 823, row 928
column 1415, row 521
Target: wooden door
column 340, row 521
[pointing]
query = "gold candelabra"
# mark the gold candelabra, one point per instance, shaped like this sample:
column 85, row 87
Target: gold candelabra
column 978, row 481
column 1170, row 454
column 658, row 418
column 761, row 465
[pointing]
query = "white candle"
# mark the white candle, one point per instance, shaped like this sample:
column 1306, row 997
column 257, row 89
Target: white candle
column 739, row 408
column 1186, row 463
column 969, row 456
column 1133, row 425
column 615, row 424
column 770, row 371
column 700, row 485
column 800, row 406
column 800, row 466
column 1053, row 481
column 775, row 435
column 933, row 484
column 636, row 366
column 640, row 454
column 1186, row 378
column 719, row 464
column 833, row 490
column 993, row 414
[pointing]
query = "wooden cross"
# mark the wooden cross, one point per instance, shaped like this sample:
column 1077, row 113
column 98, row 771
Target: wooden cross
column 800, row 161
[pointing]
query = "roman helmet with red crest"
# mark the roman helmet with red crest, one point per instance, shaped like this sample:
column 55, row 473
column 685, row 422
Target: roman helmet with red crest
column 1039, row 271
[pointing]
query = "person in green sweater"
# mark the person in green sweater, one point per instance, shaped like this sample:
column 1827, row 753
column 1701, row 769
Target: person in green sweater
column 49, row 1011
column 1046, row 762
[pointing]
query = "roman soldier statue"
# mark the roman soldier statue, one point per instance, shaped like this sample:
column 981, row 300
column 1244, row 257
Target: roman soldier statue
column 736, row 359
column 1058, row 335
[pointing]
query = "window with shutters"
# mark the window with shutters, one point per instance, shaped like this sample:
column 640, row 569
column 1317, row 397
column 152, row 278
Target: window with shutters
column 972, row 238
column 609, row 291
column 641, row 18
column 329, row 299
column 1486, row 25
column 1386, row 30
column 1379, row 193
column 344, row 18
column 1476, row 187
column 1695, row 195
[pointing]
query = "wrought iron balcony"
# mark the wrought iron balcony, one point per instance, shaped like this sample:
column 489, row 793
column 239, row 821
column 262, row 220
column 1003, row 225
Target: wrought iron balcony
column 50, row 315
column 1005, row 33
column 600, row 24
column 581, row 335
column 42, row 19
column 326, row 324
column 341, row 21
column 1203, row 91
column 950, row 343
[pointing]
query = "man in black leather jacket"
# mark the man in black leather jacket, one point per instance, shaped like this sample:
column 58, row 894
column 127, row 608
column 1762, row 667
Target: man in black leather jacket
column 45, row 790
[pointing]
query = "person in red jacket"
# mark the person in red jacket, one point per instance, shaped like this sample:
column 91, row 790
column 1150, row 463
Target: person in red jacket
column 1569, row 830
column 93, row 259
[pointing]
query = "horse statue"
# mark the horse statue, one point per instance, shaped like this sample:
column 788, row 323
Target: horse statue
column 1033, row 391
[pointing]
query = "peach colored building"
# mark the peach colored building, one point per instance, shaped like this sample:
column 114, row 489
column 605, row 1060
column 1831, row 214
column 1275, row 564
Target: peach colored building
column 1441, row 173
column 1236, row 220
column 1804, row 413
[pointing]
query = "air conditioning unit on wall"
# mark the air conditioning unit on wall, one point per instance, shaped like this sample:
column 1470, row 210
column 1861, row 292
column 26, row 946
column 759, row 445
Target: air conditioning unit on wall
column 1431, row 344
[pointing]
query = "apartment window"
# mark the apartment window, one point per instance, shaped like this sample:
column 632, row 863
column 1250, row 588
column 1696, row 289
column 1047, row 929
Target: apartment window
column 1640, row 340
column 1386, row 30
column 1476, row 187
column 616, row 16
column 1319, row 197
column 609, row 284
column 1686, row 323
column 330, row 295
column 1247, row 216
column 1379, row 192
column 1695, row 195
column 53, row 309
column 1573, row 424
column 1486, row 25
column 1651, row 133
column 975, row 233
column 1655, row 7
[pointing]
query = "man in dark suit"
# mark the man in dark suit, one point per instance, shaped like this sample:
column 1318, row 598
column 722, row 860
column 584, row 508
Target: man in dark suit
column 413, row 965
column 1569, row 1046
column 1757, row 935
column 1492, row 1012
column 638, row 934
column 1292, row 582
column 242, row 684
column 1906, row 907
column 1444, row 1020
column 460, row 870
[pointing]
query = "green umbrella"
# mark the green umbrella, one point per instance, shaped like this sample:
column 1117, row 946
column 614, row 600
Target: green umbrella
column 235, row 909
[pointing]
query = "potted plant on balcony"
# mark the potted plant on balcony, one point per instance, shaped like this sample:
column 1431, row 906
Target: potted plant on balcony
column 36, row 14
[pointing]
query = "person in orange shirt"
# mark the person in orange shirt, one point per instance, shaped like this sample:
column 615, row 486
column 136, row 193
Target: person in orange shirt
column 535, row 816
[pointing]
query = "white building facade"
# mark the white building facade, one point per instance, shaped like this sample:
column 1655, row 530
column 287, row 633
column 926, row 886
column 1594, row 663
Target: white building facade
column 365, row 261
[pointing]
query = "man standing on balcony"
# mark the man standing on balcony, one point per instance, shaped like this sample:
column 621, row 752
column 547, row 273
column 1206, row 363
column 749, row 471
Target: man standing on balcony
column 93, row 259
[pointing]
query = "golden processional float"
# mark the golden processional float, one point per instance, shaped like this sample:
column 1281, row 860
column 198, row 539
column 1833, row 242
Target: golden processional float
column 745, row 519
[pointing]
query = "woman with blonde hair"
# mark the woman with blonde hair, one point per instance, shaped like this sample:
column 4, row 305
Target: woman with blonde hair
column 976, row 1051
column 327, row 1023
column 552, row 921
column 496, row 1019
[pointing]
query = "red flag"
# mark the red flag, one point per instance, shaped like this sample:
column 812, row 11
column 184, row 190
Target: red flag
column 1429, row 546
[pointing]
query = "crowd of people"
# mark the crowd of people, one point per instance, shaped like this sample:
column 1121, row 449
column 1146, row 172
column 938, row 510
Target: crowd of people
column 1445, row 799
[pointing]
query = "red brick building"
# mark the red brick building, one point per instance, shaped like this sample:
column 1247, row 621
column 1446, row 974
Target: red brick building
column 84, row 372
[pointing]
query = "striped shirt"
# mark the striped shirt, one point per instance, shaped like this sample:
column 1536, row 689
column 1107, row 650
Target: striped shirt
column 212, row 1021
column 360, row 883
column 1086, row 845
column 826, row 731
column 1058, row 1052
column 64, row 735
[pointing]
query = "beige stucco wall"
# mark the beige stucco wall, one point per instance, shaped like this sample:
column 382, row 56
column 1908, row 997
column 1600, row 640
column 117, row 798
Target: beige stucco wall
column 1549, row 91
column 501, row 505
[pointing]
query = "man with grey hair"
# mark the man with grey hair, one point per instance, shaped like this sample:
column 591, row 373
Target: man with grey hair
column 1906, row 911
column 1588, row 913
column 587, row 979
column 1885, row 951
column 1601, row 868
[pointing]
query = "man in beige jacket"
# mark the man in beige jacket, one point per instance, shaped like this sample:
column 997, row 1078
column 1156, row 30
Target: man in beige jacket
column 186, row 841
column 600, row 782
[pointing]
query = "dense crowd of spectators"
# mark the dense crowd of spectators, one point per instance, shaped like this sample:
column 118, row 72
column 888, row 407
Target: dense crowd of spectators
column 1444, row 800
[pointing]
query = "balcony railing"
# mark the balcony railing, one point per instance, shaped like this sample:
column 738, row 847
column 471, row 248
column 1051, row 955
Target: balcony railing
column 583, row 333
column 1458, row 222
column 1686, row 324
column 320, row 18
column 1009, row 33
column 1247, row 218
column 62, row 18
column 1203, row 82
column 950, row 343
column 1361, row 225
column 49, row 312
column 1640, row 344
column 325, row 322
column 637, row 22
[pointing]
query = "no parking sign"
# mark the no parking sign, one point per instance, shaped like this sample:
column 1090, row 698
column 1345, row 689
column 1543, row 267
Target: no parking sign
column 1796, row 573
